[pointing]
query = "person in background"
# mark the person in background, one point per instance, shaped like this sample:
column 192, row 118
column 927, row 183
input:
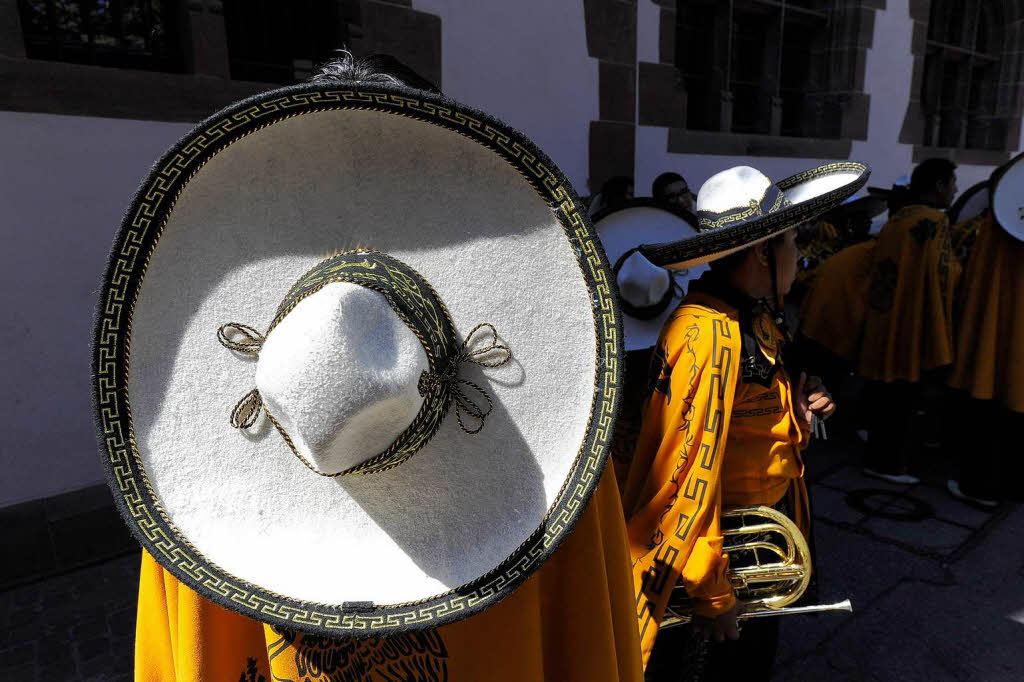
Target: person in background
column 614, row 193
column 988, row 371
column 723, row 425
column 672, row 189
column 908, row 329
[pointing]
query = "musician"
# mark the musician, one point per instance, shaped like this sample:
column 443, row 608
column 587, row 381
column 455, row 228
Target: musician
column 723, row 427
column 990, row 332
column 908, row 329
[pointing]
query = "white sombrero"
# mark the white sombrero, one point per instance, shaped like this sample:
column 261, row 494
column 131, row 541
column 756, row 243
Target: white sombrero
column 741, row 206
column 300, row 415
column 971, row 203
column 647, row 293
column 1007, row 196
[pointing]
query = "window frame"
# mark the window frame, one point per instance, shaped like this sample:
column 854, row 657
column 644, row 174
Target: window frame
column 708, row 112
column 167, row 57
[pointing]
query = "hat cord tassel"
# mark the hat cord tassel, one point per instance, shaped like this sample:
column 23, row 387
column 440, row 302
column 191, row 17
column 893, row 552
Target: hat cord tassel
column 247, row 410
column 492, row 354
column 243, row 339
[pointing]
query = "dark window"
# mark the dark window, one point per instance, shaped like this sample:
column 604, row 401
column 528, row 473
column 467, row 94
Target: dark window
column 697, row 43
column 750, row 65
column 135, row 34
column 961, row 75
column 768, row 57
column 281, row 42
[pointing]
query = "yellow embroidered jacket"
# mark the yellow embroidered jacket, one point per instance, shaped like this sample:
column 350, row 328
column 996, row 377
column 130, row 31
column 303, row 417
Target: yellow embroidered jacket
column 573, row 619
column 719, row 430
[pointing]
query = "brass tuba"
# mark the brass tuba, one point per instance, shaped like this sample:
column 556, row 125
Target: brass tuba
column 770, row 567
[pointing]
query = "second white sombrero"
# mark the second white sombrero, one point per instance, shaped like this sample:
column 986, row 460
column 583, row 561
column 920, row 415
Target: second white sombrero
column 647, row 293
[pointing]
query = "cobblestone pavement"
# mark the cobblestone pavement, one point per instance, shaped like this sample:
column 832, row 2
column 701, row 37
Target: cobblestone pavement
column 77, row 626
column 937, row 585
column 937, row 588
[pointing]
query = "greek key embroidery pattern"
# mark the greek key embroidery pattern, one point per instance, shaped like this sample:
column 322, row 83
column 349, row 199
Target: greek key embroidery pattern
column 659, row 580
column 139, row 235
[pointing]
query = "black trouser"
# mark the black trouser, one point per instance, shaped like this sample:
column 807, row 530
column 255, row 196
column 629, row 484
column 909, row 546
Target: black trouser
column 679, row 655
column 889, row 410
column 751, row 657
column 984, row 448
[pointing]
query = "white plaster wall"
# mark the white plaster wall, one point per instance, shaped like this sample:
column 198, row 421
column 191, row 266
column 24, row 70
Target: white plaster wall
column 648, row 17
column 64, row 183
column 652, row 159
column 525, row 62
column 887, row 81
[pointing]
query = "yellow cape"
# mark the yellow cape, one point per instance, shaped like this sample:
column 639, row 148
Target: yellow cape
column 908, row 326
column 990, row 340
column 574, row 619
column 833, row 311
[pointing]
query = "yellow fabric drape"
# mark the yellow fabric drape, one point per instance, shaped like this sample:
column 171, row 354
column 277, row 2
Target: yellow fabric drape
column 833, row 311
column 908, row 326
column 963, row 235
column 707, row 441
column 572, row 620
column 990, row 339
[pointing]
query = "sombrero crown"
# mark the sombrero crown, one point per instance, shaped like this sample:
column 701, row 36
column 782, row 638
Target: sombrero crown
column 362, row 367
column 648, row 293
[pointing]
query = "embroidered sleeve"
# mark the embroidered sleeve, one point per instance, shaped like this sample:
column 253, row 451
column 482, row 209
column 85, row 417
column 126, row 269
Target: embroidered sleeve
column 673, row 495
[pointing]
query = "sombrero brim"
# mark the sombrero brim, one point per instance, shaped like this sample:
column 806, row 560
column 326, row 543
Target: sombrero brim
column 221, row 228
column 1006, row 187
column 863, row 207
column 645, row 220
column 810, row 194
column 970, row 203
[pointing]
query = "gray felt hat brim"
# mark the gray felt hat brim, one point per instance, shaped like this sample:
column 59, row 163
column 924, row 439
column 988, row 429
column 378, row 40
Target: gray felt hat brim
column 1006, row 196
column 971, row 202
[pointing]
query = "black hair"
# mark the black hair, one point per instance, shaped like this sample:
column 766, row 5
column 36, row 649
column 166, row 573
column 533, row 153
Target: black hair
column 929, row 173
column 616, row 186
column 374, row 68
column 899, row 197
column 663, row 181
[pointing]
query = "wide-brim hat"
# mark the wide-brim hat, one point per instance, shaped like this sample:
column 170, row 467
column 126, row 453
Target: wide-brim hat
column 647, row 293
column 875, row 203
column 1006, row 187
column 970, row 204
column 356, row 359
column 741, row 206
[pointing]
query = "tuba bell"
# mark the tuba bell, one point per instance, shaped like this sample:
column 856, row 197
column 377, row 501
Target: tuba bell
column 770, row 567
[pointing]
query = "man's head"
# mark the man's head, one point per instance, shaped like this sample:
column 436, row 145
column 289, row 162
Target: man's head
column 750, row 270
column 672, row 189
column 616, row 190
column 934, row 182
